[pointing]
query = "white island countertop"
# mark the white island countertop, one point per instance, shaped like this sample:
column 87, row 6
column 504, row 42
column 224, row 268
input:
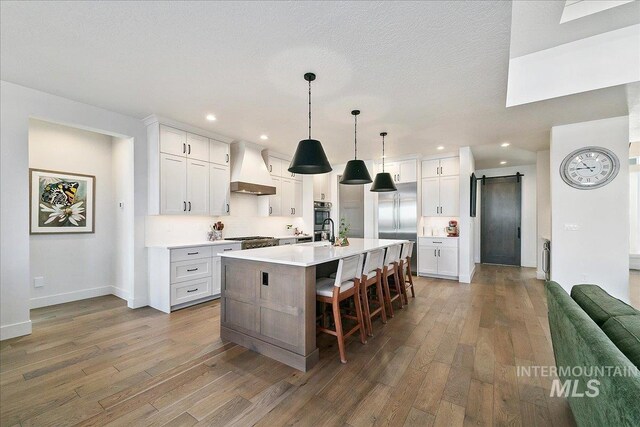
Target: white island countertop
column 309, row 254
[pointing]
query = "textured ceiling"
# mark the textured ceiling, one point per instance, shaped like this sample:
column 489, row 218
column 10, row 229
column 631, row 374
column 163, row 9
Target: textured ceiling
column 430, row 73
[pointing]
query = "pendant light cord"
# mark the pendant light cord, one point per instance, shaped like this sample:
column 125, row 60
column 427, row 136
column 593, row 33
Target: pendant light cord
column 382, row 153
column 309, row 109
column 355, row 142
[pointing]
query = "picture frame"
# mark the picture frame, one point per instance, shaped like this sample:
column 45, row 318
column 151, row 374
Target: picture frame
column 61, row 202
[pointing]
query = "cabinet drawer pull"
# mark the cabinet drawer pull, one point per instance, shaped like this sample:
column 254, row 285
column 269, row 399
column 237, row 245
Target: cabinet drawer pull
column 192, row 269
column 192, row 290
column 193, row 253
column 436, row 242
column 227, row 249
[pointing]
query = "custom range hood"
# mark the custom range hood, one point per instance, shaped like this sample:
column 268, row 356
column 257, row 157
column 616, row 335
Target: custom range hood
column 249, row 174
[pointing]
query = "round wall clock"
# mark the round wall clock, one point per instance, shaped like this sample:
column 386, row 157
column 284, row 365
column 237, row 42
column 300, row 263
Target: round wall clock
column 589, row 168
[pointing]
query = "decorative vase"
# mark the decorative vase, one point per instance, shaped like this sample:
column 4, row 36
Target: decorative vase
column 214, row 235
column 342, row 241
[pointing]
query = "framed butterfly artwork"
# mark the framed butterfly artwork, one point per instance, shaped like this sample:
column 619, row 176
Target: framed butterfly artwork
column 61, row 202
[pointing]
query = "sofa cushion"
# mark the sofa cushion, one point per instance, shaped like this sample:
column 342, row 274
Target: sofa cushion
column 624, row 332
column 598, row 304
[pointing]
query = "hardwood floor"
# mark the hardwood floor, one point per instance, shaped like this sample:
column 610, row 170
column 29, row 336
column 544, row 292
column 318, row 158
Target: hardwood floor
column 448, row 359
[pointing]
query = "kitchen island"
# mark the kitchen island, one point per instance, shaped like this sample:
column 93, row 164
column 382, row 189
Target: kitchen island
column 268, row 299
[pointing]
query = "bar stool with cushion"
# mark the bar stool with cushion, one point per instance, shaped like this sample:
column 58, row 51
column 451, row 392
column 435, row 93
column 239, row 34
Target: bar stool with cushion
column 372, row 281
column 390, row 269
column 332, row 291
column 406, row 275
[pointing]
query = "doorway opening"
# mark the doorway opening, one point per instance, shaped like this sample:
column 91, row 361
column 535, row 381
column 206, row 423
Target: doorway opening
column 500, row 220
column 351, row 208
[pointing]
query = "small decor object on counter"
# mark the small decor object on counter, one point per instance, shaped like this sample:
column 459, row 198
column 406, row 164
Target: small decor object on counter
column 216, row 231
column 61, row 202
column 452, row 229
column 342, row 239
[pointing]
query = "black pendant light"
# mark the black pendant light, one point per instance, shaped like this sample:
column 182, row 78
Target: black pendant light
column 309, row 158
column 383, row 181
column 355, row 173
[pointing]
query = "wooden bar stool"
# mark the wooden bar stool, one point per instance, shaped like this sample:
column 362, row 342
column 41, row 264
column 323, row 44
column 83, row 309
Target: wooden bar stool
column 333, row 291
column 406, row 276
column 390, row 269
column 372, row 278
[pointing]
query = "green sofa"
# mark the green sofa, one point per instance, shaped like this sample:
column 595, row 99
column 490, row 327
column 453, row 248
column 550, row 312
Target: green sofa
column 593, row 330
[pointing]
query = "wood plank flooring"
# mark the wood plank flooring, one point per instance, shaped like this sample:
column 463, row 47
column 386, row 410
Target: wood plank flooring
column 449, row 359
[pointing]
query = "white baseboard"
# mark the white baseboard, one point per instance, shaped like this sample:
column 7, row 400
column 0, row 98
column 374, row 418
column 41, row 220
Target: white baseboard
column 120, row 293
column 137, row 302
column 467, row 278
column 15, row 330
column 634, row 262
column 540, row 275
column 70, row 296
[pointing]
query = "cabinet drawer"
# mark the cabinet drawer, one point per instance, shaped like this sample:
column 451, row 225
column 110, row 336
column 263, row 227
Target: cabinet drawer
column 185, row 254
column 218, row 249
column 191, row 290
column 437, row 242
column 191, row 269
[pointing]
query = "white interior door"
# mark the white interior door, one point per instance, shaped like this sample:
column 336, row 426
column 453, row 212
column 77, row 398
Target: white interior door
column 197, row 187
column 430, row 197
column 450, row 196
column 173, row 185
column 219, row 190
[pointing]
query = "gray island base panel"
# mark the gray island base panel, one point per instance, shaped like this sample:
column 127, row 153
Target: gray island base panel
column 268, row 301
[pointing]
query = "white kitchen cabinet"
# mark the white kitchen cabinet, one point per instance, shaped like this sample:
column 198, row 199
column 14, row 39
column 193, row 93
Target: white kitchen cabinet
column 288, row 193
column 173, row 141
column 438, row 257
column 274, row 165
column 450, row 166
column 197, row 187
column 197, row 147
column 185, row 276
column 289, row 241
column 275, row 200
column 440, row 193
column 218, row 152
column 297, row 198
column 219, row 190
column 322, row 187
column 441, row 167
column 402, row 171
column 173, row 185
column 449, row 196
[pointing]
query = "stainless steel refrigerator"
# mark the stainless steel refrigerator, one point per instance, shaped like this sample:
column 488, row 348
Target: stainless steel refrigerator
column 398, row 216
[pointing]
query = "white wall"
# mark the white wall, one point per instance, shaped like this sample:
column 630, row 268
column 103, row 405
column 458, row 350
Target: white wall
column 123, row 174
column 74, row 266
column 468, row 225
column 528, row 241
column 598, row 252
column 543, row 201
column 17, row 105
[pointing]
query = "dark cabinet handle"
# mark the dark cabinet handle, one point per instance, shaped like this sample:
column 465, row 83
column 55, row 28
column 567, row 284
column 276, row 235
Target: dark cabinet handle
column 227, row 207
column 270, row 168
column 193, row 253
column 227, row 249
column 435, row 252
column 184, row 206
column 192, row 269
column 192, row 290
column 189, row 206
column 227, row 158
column 270, row 210
column 189, row 152
column 518, row 232
column 438, row 252
column 184, row 148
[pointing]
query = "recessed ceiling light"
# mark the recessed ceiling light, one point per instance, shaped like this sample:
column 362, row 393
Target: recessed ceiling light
column 211, row 117
column 440, row 147
column 503, row 162
column 264, row 137
column 505, row 144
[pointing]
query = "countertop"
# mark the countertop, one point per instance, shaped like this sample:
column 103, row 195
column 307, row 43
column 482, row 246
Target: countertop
column 180, row 245
column 309, row 254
